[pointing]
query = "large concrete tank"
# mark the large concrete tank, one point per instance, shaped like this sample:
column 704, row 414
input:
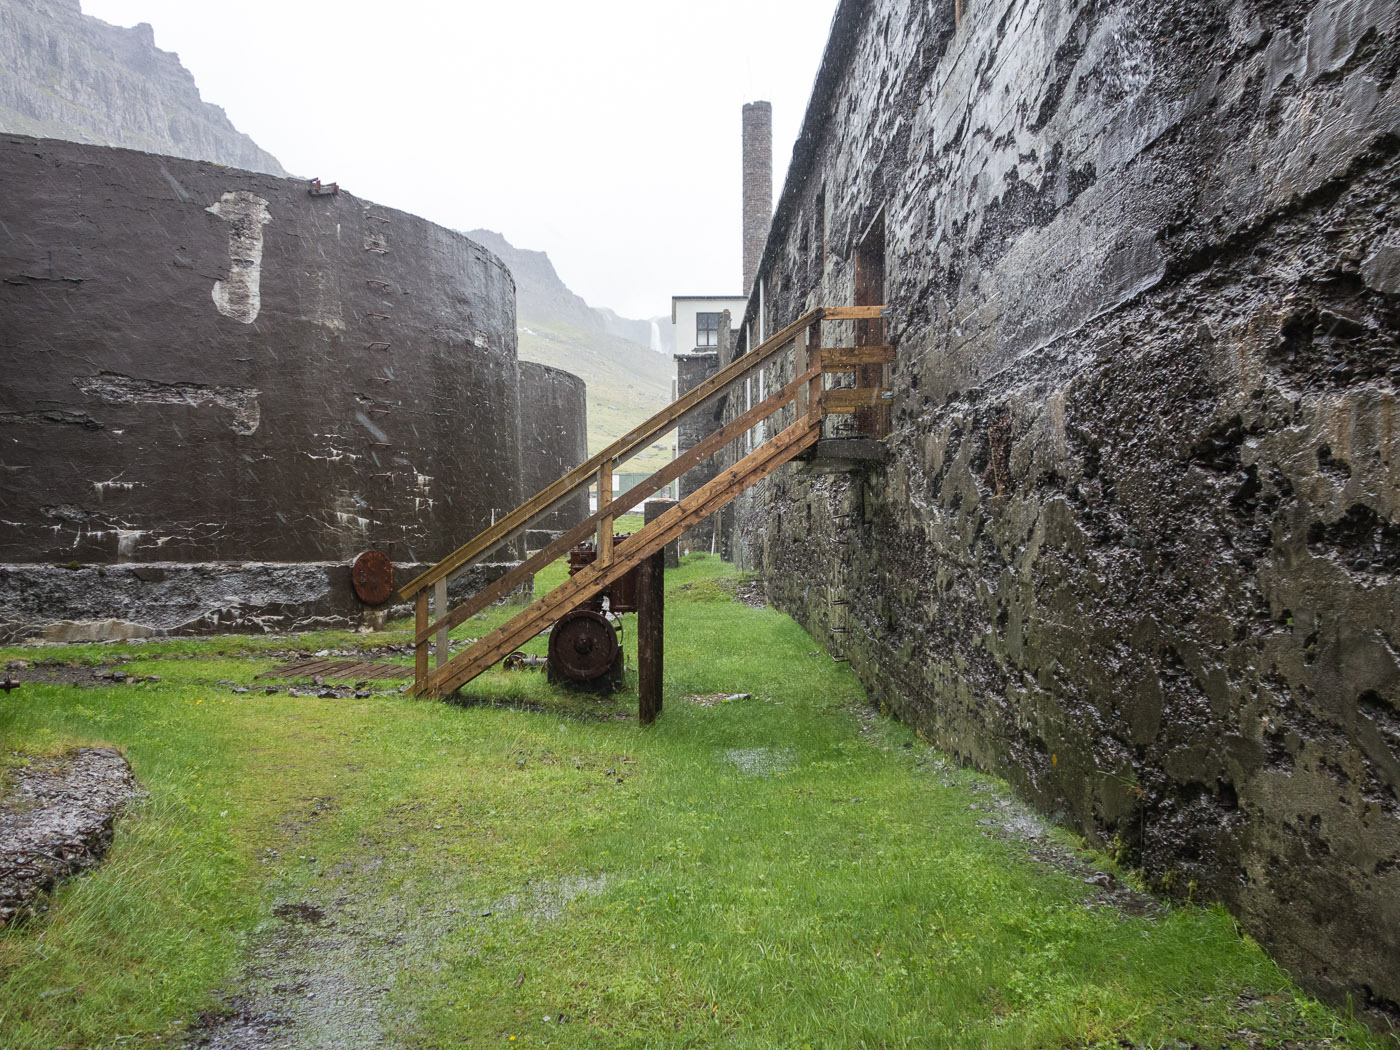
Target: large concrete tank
column 553, row 440
column 221, row 386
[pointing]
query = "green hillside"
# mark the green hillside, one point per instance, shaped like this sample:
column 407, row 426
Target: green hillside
column 626, row 382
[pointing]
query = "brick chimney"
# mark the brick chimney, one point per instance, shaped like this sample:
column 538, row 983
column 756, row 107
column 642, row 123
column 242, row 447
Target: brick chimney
column 758, row 186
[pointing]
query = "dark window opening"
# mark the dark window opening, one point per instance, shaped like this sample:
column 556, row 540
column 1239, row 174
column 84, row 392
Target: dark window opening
column 706, row 330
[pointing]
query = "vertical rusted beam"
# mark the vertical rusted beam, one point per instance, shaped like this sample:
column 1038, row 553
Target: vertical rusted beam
column 605, row 527
column 440, row 608
column 420, row 650
column 651, row 603
column 957, row 12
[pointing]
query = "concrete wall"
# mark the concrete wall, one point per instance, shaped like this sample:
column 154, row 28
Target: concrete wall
column 553, row 440
column 210, row 366
column 1138, row 547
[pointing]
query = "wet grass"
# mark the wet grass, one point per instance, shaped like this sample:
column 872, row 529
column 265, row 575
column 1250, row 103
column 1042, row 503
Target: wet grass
column 530, row 868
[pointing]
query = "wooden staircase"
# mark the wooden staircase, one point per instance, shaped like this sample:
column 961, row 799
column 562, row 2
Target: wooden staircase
column 800, row 407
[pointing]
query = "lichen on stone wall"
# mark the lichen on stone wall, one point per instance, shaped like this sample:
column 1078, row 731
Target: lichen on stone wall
column 1135, row 545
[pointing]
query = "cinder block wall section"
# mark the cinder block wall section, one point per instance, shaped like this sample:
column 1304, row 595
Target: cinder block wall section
column 208, row 370
column 1138, row 545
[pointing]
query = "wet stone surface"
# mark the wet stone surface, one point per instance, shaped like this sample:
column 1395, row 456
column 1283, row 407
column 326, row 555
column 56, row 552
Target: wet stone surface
column 1135, row 545
column 323, row 972
column 57, row 817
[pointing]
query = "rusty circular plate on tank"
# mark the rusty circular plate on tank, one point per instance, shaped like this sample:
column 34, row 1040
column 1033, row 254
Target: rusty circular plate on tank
column 582, row 645
column 372, row 576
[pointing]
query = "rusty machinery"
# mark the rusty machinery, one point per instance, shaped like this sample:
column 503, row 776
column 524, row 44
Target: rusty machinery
column 585, row 646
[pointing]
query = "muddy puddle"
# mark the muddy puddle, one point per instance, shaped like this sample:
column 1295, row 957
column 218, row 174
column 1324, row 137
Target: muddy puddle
column 323, row 971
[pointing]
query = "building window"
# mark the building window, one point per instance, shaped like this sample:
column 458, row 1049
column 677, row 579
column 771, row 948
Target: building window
column 706, row 330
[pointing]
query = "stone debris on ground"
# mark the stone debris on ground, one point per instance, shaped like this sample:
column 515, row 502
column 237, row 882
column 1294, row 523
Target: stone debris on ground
column 57, row 818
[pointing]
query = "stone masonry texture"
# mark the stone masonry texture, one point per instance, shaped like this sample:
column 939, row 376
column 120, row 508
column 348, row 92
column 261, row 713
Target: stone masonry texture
column 206, row 366
column 692, row 370
column 1137, row 547
column 758, row 184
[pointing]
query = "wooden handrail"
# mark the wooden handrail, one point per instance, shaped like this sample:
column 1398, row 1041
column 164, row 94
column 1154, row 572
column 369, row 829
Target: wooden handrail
column 693, row 457
column 699, row 505
column 625, row 446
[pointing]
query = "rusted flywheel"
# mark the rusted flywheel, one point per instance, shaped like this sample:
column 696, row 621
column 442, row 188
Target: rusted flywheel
column 583, row 646
column 372, row 576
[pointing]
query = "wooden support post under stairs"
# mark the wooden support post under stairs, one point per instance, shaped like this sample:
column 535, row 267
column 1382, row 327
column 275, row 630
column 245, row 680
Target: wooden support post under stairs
column 440, row 648
column 699, row 505
column 420, row 645
column 651, row 629
column 605, row 526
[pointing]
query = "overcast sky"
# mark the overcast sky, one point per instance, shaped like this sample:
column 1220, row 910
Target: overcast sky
column 604, row 133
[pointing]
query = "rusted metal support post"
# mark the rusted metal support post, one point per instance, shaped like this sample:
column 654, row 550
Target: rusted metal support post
column 420, row 650
column 605, row 527
column 651, row 601
column 440, row 609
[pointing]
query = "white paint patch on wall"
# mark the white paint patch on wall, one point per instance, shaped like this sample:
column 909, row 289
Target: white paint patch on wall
column 114, row 389
column 240, row 297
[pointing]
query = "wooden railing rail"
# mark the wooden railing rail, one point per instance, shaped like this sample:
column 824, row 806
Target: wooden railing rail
column 629, row 499
column 623, row 448
column 592, row 578
column 807, row 395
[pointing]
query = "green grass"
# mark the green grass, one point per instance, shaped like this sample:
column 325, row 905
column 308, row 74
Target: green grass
column 776, row 871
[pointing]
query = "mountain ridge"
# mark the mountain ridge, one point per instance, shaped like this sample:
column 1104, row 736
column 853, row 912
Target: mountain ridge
column 626, row 380
column 68, row 75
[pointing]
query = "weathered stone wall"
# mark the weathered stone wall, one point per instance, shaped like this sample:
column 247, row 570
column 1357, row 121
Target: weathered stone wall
column 210, row 366
column 1138, row 545
column 66, row 75
column 553, row 440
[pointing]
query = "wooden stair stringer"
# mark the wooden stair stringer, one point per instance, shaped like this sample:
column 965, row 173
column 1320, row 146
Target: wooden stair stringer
column 714, row 495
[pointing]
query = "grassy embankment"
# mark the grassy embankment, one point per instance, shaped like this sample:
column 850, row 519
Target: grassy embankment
column 627, row 383
column 539, row 871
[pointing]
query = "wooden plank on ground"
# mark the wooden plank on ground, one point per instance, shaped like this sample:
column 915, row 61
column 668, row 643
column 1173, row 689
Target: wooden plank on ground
column 351, row 670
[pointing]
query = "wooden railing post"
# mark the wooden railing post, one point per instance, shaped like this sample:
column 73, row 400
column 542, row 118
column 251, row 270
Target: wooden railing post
column 420, row 649
column 801, row 361
column 605, row 527
column 814, row 353
column 439, row 612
